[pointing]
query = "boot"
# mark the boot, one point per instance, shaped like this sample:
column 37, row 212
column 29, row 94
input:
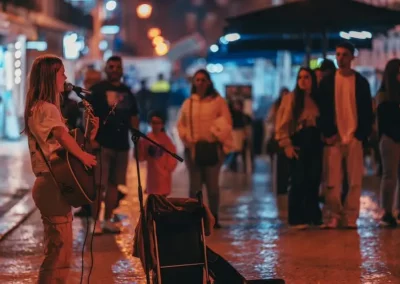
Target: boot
column 217, row 225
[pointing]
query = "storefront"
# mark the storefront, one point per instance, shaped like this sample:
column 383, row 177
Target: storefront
column 14, row 33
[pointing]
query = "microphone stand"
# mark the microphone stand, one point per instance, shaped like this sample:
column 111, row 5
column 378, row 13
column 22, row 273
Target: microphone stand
column 135, row 138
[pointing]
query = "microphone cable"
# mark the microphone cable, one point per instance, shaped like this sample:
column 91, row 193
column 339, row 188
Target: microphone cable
column 98, row 189
column 87, row 232
column 69, row 86
column 83, row 250
column 97, row 213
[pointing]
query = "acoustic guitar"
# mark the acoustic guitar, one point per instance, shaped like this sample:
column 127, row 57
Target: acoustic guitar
column 76, row 182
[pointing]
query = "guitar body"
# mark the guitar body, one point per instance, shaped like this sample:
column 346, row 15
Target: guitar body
column 77, row 184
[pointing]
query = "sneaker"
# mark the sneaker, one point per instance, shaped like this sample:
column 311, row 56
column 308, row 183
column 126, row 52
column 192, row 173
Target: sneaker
column 110, row 228
column 98, row 230
column 388, row 220
column 331, row 224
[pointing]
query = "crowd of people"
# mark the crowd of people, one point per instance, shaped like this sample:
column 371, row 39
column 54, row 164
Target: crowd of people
column 317, row 137
column 319, row 134
column 204, row 125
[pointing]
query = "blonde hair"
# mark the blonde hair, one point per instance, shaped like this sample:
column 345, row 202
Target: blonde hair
column 42, row 84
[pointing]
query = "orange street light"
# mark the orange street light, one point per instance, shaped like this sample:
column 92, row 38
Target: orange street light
column 157, row 40
column 153, row 32
column 161, row 49
column 144, row 10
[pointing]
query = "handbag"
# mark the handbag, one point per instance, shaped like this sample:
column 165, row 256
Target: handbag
column 206, row 154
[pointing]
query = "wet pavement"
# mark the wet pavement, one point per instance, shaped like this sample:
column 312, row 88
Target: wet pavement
column 254, row 238
column 16, row 180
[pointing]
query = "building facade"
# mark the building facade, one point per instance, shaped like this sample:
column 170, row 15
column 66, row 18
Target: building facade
column 27, row 29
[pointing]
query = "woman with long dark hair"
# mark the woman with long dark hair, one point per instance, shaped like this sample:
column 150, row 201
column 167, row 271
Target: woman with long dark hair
column 298, row 134
column 388, row 115
column 205, row 128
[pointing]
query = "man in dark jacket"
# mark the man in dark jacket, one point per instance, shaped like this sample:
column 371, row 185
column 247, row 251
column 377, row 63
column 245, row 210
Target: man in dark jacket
column 345, row 121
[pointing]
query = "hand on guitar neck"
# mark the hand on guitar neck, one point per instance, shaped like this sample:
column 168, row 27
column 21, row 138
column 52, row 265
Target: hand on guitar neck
column 94, row 120
column 92, row 128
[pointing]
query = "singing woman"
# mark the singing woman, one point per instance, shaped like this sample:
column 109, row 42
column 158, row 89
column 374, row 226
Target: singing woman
column 46, row 128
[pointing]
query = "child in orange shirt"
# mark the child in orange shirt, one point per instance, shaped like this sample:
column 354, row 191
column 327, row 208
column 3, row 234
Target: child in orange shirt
column 160, row 165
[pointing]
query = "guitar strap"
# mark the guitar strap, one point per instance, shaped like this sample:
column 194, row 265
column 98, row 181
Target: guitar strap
column 47, row 162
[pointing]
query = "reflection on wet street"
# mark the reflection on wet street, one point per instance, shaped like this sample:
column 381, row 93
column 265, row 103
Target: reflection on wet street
column 15, row 171
column 254, row 238
column 261, row 246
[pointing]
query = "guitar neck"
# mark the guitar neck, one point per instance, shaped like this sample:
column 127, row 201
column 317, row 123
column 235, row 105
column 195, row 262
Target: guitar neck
column 87, row 115
column 87, row 128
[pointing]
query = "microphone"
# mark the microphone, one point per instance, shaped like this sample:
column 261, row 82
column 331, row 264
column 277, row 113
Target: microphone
column 78, row 90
